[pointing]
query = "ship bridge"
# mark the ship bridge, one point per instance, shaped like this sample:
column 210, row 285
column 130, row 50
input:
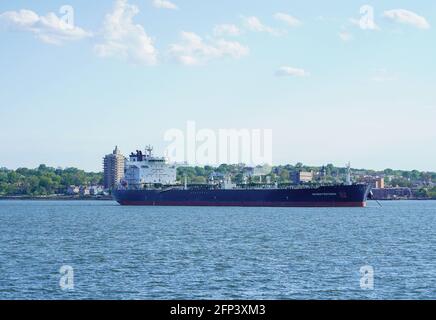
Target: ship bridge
column 144, row 168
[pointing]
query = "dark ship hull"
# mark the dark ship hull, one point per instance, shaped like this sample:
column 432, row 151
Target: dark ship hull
column 323, row 196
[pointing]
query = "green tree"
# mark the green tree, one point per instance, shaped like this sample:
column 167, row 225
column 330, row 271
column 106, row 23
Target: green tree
column 284, row 176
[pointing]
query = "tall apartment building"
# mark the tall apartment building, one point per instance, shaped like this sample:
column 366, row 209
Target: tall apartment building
column 113, row 165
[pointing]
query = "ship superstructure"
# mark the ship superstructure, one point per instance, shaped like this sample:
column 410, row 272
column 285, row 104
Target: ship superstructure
column 142, row 169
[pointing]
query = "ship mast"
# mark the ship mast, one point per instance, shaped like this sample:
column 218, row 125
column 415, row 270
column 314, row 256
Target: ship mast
column 348, row 182
column 149, row 150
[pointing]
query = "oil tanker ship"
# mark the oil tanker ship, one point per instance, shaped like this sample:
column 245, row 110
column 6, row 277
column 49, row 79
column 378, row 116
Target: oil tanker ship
column 151, row 181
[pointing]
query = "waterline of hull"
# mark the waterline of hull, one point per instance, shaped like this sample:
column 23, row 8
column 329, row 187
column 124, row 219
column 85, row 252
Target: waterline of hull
column 242, row 204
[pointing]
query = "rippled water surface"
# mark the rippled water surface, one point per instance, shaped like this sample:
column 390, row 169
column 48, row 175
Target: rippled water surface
column 216, row 253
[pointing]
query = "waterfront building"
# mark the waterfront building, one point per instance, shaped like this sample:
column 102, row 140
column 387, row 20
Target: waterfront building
column 375, row 182
column 95, row 190
column 380, row 183
column 302, row 177
column 391, row 193
column 72, row 190
column 113, row 168
column 216, row 176
column 84, row 191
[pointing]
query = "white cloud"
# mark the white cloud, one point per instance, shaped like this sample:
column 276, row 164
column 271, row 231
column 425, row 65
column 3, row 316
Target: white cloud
column 407, row 17
column 164, row 4
column 286, row 71
column 345, row 36
column 124, row 39
column 254, row 24
column 49, row 28
column 288, row 19
column 193, row 50
column 226, row 29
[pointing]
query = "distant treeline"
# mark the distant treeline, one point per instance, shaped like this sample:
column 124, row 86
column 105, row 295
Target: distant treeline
column 283, row 174
column 44, row 180
column 47, row 181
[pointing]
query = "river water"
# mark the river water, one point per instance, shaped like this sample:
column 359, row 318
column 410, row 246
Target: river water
column 114, row 252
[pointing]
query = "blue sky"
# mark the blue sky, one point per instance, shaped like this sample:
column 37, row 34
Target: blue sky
column 127, row 71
